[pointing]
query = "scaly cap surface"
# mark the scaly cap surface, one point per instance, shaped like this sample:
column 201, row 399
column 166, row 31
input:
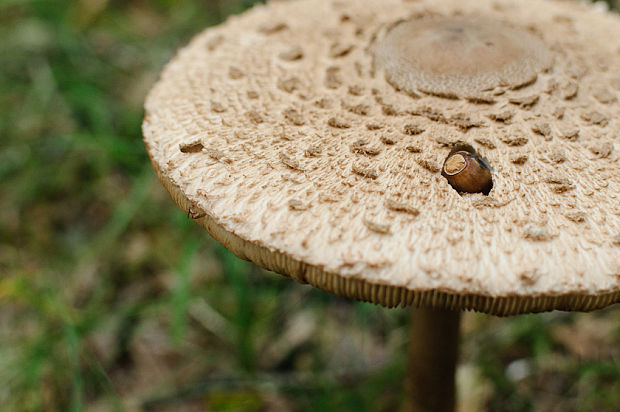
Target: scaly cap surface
column 290, row 135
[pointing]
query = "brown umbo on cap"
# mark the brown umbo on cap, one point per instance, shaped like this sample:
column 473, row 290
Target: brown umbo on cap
column 309, row 137
column 469, row 57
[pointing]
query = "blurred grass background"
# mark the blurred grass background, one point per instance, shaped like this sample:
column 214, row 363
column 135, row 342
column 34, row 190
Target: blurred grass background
column 112, row 299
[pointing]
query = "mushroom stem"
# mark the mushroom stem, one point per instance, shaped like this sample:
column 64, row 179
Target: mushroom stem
column 433, row 355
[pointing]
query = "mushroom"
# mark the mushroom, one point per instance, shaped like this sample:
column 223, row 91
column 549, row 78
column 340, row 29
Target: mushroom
column 311, row 137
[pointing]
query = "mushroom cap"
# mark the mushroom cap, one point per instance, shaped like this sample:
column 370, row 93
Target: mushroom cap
column 309, row 136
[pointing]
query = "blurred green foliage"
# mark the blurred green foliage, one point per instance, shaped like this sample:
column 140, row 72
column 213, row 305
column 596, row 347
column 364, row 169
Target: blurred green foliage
column 112, row 299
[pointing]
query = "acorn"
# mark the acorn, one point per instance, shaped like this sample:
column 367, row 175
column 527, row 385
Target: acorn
column 466, row 172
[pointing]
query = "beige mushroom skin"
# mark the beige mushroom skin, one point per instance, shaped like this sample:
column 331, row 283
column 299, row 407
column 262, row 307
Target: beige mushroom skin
column 325, row 164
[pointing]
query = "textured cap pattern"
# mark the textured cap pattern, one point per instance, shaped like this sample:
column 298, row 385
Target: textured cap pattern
column 282, row 134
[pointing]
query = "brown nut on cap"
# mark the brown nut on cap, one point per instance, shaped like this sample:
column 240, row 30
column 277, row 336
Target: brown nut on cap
column 467, row 173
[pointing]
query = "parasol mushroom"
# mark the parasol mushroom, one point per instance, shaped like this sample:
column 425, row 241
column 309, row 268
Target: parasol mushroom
column 448, row 155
